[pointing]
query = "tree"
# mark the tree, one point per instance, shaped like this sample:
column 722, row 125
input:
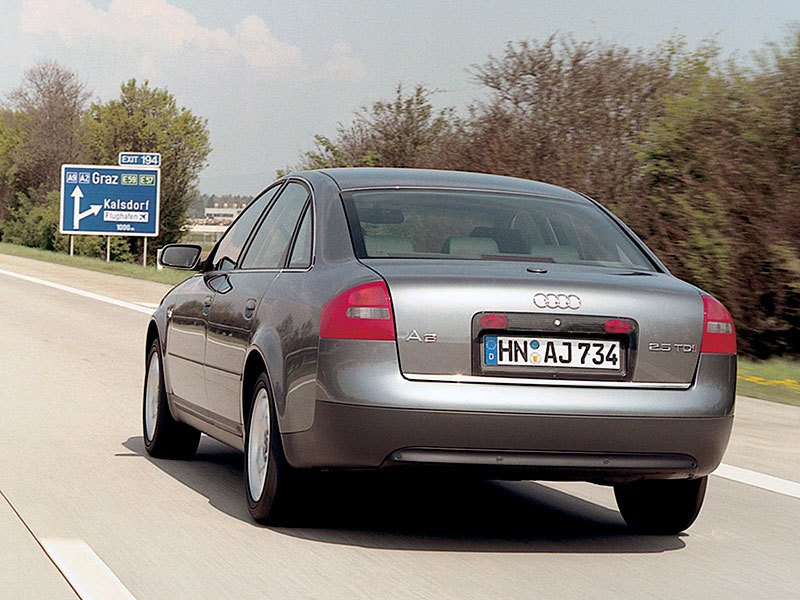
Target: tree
column 11, row 136
column 723, row 193
column 570, row 113
column 406, row 131
column 40, row 130
column 777, row 78
column 146, row 119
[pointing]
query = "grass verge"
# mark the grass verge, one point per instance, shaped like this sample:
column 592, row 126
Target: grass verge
column 166, row 276
column 776, row 379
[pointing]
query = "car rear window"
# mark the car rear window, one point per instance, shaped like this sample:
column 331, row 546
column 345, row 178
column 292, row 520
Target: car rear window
column 452, row 224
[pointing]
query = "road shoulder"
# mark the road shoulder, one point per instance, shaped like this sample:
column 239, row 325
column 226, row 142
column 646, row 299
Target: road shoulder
column 136, row 291
column 765, row 438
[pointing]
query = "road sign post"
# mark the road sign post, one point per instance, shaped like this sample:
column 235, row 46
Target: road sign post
column 110, row 200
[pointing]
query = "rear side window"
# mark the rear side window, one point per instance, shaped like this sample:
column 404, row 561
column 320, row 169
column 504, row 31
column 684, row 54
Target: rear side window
column 230, row 246
column 301, row 253
column 487, row 226
column 271, row 242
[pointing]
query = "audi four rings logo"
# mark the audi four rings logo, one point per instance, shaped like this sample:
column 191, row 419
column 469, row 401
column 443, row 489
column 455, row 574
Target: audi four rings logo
column 563, row 301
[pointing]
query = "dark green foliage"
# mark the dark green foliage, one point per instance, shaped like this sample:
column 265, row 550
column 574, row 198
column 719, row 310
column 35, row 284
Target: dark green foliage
column 146, row 119
column 701, row 158
column 726, row 196
column 46, row 125
column 49, row 108
column 404, row 132
column 33, row 222
column 39, row 131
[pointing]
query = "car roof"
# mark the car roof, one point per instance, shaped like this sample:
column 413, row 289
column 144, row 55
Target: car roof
column 374, row 177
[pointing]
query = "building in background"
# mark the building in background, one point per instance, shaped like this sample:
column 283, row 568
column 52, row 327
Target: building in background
column 216, row 219
column 226, row 212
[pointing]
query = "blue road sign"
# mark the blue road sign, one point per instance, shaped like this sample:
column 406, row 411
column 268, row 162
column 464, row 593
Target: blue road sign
column 139, row 159
column 103, row 200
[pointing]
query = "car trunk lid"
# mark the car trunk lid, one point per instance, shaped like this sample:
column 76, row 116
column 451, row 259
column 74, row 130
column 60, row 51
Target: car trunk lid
column 443, row 311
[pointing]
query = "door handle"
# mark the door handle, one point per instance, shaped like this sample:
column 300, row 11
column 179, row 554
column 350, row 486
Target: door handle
column 207, row 305
column 249, row 308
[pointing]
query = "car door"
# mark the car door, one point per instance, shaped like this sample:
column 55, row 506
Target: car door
column 237, row 297
column 187, row 319
column 186, row 341
column 292, row 309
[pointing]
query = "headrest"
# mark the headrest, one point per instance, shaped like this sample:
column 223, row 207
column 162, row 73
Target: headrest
column 387, row 245
column 508, row 240
column 557, row 253
column 470, row 247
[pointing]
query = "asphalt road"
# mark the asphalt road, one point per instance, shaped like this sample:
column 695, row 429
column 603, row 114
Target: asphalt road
column 84, row 509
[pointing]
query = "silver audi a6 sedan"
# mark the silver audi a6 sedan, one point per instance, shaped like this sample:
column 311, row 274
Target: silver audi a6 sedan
column 485, row 325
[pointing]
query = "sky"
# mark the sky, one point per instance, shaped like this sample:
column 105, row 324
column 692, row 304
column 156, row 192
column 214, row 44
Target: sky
column 270, row 75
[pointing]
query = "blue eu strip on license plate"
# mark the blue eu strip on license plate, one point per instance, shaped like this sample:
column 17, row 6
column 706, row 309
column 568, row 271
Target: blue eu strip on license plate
column 490, row 350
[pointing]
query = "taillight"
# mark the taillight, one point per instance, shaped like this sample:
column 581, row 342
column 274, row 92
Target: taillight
column 363, row 312
column 719, row 334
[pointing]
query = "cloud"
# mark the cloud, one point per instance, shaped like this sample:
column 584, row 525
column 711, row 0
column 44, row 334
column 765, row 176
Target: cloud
column 344, row 64
column 156, row 25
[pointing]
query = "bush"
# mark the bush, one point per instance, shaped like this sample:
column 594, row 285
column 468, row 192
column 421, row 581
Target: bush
column 34, row 223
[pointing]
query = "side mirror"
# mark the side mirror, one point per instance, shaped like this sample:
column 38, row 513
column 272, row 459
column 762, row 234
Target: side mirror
column 180, row 256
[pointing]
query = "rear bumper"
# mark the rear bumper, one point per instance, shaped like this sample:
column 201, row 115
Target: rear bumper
column 510, row 446
column 368, row 418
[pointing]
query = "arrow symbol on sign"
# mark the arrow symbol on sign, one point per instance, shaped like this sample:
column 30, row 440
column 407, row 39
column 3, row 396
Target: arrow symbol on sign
column 77, row 215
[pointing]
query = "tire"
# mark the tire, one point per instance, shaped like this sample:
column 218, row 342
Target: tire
column 267, row 476
column 661, row 506
column 164, row 437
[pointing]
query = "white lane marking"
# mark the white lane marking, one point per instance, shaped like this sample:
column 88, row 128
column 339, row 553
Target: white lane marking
column 89, row 576
column 148, row 305
column 759, row 480
column 78, row 292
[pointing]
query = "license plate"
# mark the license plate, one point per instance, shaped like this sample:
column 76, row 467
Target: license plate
column 551, row 353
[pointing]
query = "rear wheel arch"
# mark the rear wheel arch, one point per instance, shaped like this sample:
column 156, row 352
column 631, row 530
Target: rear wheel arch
column 253, row 367
column 152, row 334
